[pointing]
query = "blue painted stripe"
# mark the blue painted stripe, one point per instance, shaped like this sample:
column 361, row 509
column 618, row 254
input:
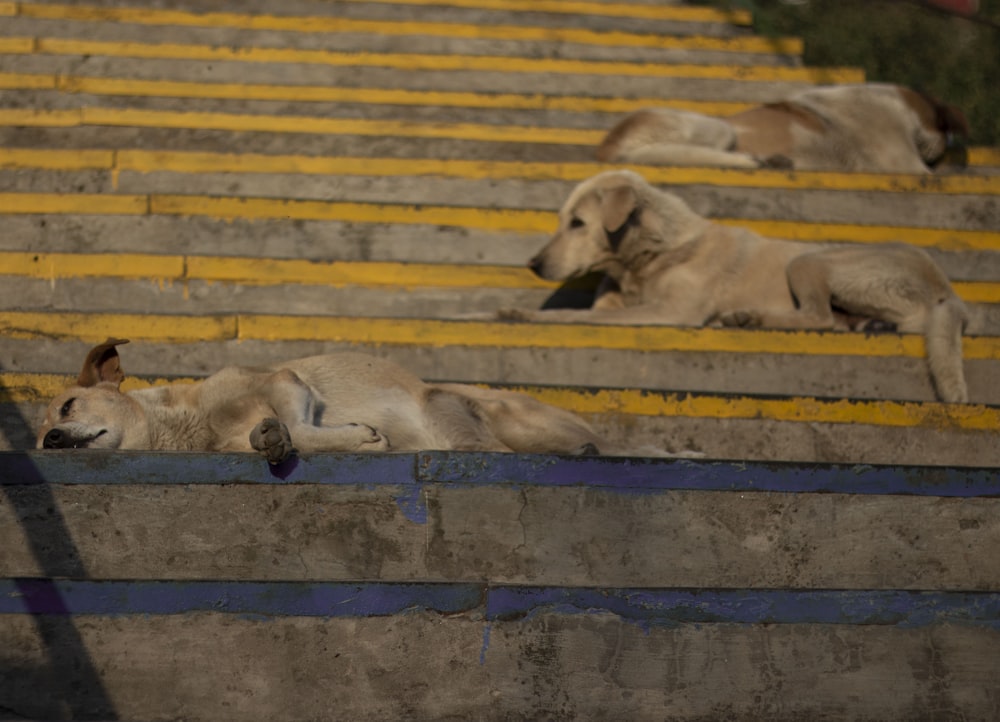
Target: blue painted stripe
column 636, row 475
column 646, row 607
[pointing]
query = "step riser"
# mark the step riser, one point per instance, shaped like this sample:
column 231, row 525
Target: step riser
column 752, row 439
column 961, row 212
column 168, row 296
column 551, row 666
column 326, row 240
column 750, row 373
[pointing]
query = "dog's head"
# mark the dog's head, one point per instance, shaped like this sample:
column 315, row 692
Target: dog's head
column 93, row 413
column 592, row 226
column 611, row 222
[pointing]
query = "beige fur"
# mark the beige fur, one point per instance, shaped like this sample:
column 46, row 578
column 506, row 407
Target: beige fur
column 665, row 264
column 337, row 403
column 872, row 127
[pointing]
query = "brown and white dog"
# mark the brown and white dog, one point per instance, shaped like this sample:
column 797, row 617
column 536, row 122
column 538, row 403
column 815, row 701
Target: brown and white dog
column 665, row 264
column 870, row 127
column 346, row 402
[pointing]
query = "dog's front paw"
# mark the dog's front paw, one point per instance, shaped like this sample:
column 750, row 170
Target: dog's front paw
column 271, row 438
column 742, row 319
column 514, row 314
column 365, row 438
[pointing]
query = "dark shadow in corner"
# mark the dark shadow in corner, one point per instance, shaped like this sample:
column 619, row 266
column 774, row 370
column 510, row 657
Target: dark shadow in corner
column 70, row 688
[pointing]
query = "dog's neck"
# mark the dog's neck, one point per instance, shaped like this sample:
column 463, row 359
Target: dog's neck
column 174, row 421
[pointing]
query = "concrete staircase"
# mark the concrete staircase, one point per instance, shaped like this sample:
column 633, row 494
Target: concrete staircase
column 244, row 183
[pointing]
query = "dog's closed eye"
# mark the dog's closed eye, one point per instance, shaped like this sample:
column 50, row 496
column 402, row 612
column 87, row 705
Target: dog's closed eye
column 64, row 411
column 576, row 223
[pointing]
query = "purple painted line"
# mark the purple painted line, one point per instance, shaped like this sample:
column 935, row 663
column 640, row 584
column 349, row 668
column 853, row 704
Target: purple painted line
column 35, row 596
column 671, row 607
column 636, row 475
column 646, row 607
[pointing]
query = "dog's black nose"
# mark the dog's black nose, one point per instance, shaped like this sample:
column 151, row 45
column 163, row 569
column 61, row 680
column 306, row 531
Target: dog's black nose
column 536, row 264
column 55, row 439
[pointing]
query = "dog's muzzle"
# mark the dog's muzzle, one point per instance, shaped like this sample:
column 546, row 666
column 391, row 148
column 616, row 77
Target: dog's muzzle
column 60, row 439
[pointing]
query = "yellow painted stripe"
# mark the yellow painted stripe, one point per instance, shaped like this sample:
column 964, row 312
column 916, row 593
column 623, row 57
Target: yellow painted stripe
column 143, row 161
column 183, row 162
column 329, row 94
column 321, row 24
column 423, row 62
column 97, row 327
column 8, row 9
column 56, row 159
column 794, row 409
column 678, row 13
column 81, row 203
column 298, row 124
column 942, row 238
column 335, row 274
column 39, row 388
column 490, row 219
column 983, row 156
column 16, row 46
column 977, row 291
column 439, row 333
column 496, row 219
column 90, row 265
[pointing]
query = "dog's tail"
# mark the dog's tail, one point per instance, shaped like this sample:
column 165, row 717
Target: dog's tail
column 945, row 323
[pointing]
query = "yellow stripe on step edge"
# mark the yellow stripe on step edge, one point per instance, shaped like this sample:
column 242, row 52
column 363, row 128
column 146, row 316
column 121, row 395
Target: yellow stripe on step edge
column 336, row 274
column 676, row 13
column 437, row 333
column 330, row 24
column 40, row 388
column 298, row 124
column 331, row 94
column 984, row 156
column 143, row 161
column 421, row 62
column 795, row 409
column 489, row 219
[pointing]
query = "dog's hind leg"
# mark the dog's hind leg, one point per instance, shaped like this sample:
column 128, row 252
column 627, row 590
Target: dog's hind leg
column 942, row 325
column 294, row 423
column 527, row 425
column 809, row 283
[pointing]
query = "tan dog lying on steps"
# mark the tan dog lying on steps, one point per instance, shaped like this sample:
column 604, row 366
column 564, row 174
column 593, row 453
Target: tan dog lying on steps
column 871, row 127
column 665, row 264
column 345, row 402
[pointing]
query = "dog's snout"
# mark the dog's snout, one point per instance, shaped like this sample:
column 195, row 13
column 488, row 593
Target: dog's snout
column 537, row 265
column 55, row 439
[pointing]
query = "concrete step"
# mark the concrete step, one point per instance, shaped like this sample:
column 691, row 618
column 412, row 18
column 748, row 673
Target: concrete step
column 839, row 365
column 521, row 579
column 312, row 17
column 409, row 185
column 720, row 426
column 177, row 284
column 606, row 89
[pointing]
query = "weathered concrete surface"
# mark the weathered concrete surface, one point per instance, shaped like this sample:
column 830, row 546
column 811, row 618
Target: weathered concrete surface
column 328, row 240
column 292, row 75
column 751, row 439
column 898, row 377
column 502, row 533
column 551, row 666
column 166, row 296
column 384, row 43
column 445, row 13
column 918, row 210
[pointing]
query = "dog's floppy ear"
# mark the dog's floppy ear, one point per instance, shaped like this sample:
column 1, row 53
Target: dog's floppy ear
column 102, row 364
column 617, row 204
